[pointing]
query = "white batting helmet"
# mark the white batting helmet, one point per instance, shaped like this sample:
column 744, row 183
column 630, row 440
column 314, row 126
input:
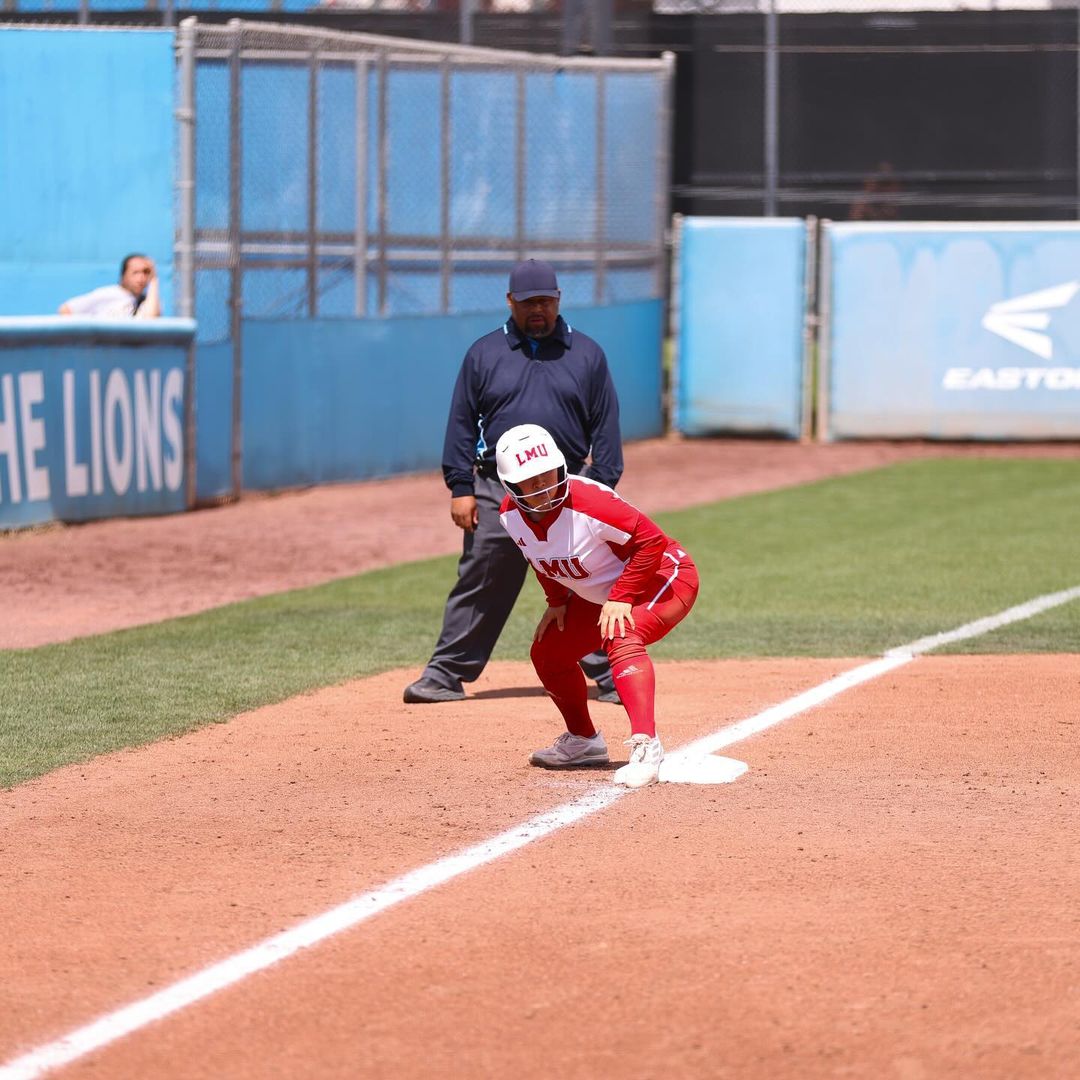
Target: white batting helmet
column 526, row 451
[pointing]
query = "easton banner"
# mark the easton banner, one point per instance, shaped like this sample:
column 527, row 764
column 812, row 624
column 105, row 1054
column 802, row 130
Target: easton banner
column 952, row 331
column 92, row 420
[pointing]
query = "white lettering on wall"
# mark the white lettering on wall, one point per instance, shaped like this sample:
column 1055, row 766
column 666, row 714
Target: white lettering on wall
column 173, row 406
column 122, row 432
column 119, row 452
column 9, row 444
column 1011, row 378
column 31, row 393
column 147, row 430
column 97, row 477
column 76, row 473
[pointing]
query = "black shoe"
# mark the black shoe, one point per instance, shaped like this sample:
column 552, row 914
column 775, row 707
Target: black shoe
column 429, row 692
column 609, row 697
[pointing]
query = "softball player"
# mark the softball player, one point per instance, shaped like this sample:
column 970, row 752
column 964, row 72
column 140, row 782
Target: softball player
column 612, row 579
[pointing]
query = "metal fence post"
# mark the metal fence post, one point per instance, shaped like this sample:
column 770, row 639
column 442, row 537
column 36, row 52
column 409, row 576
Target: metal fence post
column 519, row 167
column 810, row 329
column 383, row 167
column 600, row 276
column 824, row 332
column 185, row 183
column 772, row 108
column 313, row 186
column 671, row 403
column 360, row 249
column 236, row 285
column 664, row 166
column 445, row 151
column 465, row 22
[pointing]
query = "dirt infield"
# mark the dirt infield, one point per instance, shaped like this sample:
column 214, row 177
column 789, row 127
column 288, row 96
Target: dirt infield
column 888, row 892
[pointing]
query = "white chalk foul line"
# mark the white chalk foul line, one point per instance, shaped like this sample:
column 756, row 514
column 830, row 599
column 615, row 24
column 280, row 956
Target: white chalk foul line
column 302, row 936
column 115, row 1025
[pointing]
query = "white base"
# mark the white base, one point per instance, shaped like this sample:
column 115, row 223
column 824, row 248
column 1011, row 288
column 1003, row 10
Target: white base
column 703, row 769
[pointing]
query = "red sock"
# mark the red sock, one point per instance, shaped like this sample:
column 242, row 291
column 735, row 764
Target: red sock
column 635, row 679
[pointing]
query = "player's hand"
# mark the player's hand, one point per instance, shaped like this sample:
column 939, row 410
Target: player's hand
column 556, row 615
column 463, row 511
column 615, row 615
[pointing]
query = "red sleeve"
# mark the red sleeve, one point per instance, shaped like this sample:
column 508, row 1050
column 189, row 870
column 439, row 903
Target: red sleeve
column 642, row 552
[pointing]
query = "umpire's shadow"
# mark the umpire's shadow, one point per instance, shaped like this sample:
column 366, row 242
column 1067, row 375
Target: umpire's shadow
column 508, row 692
column 520, row 692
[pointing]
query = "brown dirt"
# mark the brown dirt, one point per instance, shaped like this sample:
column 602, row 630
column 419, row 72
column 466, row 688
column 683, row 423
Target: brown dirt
column 889, row 891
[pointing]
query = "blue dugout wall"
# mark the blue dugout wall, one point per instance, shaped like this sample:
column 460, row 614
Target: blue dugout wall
column 88, row 161
column 951, row 331
column 94, row 418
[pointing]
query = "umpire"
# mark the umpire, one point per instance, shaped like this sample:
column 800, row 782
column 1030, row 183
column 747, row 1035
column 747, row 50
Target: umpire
column 534, row 369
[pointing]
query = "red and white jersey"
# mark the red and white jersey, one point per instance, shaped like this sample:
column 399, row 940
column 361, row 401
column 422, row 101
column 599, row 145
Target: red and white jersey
column 595, row 544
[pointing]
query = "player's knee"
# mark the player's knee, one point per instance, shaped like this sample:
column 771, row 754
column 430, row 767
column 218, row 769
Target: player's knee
column 623, row 649
column 543, row 656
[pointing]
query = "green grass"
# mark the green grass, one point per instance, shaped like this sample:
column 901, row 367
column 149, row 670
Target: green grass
column 846, row 567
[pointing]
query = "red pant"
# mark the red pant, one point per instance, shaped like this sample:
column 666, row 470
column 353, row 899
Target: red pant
column 664, row 604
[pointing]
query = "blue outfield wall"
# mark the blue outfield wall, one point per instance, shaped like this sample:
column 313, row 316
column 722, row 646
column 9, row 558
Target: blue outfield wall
column 88, row 167
column 92, row 419
column 741, row 307
column 953, row 331
column 345, row 399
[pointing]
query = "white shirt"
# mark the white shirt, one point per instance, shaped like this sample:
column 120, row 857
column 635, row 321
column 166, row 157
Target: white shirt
column 108, row 302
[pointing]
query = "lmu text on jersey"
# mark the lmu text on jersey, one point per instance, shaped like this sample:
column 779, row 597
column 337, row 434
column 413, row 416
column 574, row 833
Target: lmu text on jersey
column 557, row 568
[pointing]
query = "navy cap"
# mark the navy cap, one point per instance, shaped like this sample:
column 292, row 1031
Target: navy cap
column 533, row 277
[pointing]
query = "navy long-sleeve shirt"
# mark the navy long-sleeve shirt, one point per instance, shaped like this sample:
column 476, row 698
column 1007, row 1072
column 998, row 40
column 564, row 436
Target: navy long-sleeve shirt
column 560, row 382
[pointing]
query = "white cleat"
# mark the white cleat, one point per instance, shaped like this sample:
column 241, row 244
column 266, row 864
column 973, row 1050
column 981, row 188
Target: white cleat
column 643, row 768
column 571, row 751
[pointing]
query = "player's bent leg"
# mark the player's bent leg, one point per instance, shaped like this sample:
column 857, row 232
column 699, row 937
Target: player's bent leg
column 555, row 657
column 635, row 679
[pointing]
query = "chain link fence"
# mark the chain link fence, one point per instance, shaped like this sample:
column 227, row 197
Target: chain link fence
column 884, row 109
column 336, row 174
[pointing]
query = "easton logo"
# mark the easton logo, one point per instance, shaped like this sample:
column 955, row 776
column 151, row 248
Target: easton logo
column 563, row 568
column 531, row 454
